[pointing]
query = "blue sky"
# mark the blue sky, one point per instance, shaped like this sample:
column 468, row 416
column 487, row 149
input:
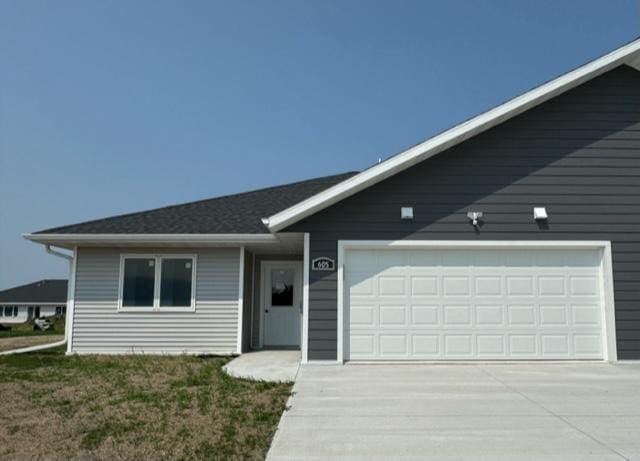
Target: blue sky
column 108, row 107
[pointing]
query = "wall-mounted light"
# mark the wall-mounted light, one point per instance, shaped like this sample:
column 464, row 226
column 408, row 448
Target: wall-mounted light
column 474, row 216
column 406, row 213
column 540, row 213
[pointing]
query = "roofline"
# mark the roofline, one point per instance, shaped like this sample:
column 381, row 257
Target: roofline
column 455, row 135
column 125, row 239
column 32, row 303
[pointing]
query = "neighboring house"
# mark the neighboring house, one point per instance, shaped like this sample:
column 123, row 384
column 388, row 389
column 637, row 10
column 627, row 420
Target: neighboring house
column 44, row 298
column 396, row 262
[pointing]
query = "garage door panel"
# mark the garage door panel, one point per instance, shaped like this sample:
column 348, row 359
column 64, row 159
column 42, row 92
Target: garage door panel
column 489, row 285
column 467, row 304
column 519, row 286
column 453, row 285
column 551, row 286
column 555, row 345
column 489, row 315
column 393, row 316
column 584, row 285
column 554, row 315
column 424, row 285
column 391, row 285
column 425, row 316
column 457, row 315
column 490, row 345
column 521, row 315
column 425, row 346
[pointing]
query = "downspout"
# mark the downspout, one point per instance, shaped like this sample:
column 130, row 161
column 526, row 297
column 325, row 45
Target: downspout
column 70, row 302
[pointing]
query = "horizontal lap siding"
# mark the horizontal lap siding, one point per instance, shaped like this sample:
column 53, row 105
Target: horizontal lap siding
column 578, row 155
column 212, row 328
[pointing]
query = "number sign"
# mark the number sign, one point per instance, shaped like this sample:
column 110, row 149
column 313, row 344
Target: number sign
column 323, row 264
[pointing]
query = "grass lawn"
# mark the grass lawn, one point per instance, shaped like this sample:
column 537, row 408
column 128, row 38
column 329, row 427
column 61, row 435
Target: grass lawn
column 133, row 407
column 26, row 329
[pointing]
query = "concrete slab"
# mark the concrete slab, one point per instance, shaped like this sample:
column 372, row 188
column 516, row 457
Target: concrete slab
column 484, row 411
column 277, row 366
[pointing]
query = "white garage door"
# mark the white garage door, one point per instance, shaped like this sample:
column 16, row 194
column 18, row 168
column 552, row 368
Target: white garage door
column 473, row 304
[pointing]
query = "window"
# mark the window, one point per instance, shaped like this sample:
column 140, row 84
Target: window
column 175, row 285
column 157, row 282
column 282, row 287
column 30, row 310
column 15, row 311
column 138, row 285
column 8, row 310
column 60, row 310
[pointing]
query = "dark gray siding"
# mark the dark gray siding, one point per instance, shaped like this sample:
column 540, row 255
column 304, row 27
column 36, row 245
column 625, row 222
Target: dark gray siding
column 578, row 155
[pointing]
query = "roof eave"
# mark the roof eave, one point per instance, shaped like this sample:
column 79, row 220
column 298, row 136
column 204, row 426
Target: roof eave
column 627, row 54
column 71, row 240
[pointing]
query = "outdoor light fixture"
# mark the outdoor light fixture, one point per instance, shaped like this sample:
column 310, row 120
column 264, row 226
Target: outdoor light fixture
column 406, row 213
column 474, row 216
column 540, row 214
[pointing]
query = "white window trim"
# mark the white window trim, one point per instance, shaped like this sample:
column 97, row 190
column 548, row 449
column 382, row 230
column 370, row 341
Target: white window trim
column 157, row 257
column 610, row 352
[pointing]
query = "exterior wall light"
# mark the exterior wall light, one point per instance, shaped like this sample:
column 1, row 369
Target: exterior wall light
column 406, row 213
column 474, row 217
column 540, row 214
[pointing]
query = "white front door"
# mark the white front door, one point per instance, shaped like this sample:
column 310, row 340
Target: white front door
column 282, row 302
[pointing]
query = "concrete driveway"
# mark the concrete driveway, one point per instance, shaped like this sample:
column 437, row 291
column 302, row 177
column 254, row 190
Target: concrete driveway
column 499, row 411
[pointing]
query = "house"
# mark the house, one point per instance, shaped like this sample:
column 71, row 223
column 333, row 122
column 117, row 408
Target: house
column 44, row 298
column 513, row 235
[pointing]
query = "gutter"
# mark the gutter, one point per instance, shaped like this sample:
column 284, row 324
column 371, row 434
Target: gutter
column 68, row 317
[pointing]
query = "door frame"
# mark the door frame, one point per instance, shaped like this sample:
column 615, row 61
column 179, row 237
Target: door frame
column 265, row 267
column 606, row 269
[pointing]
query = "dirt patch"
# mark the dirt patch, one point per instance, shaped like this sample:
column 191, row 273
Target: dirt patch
column 133, row 407
column 7, row 344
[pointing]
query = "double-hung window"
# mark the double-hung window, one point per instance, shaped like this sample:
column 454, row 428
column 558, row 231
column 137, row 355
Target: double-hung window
column 157, row 282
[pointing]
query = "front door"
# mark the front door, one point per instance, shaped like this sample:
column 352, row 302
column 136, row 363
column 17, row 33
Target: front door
column 282, row 302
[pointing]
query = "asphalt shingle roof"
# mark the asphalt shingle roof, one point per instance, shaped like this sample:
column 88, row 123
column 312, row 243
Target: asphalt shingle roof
column 43, row 291
column 230, row 214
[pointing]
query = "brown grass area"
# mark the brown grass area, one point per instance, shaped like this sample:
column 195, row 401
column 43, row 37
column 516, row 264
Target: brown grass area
column 132, row 408
column 7, row 344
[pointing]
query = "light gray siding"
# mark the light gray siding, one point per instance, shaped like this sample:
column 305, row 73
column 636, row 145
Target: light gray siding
column 578, row 155
column 98, row 327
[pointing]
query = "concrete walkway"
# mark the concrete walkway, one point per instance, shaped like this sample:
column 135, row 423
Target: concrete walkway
column 278, row 366
column 445, row 412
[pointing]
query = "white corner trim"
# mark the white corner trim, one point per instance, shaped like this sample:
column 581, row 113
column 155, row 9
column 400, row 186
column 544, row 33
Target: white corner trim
column 240, row 301
column 609, row 325
column 305, row 301
column 625, row 54
column 611, row 352
column 71, row 300
column 341, row 330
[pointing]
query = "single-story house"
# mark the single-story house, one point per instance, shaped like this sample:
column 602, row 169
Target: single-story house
column 511, row 236
column 44, row 298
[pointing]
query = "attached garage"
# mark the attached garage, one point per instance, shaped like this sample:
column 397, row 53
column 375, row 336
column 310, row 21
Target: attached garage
column 468, row 301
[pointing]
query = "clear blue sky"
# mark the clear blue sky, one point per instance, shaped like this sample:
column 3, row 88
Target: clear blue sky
column 109, row 107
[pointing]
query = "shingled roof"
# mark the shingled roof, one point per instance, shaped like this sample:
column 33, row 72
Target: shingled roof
column 40, row 292
column 230, row 214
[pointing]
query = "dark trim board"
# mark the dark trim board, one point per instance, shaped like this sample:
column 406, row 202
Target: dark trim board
column 582, row 165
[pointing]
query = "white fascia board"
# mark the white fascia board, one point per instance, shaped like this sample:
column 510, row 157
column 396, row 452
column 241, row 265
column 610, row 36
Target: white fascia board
column 627, row 54
column 119, row 239
column 34, row 303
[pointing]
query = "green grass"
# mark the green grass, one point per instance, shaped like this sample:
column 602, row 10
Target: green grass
column 26, row 329
column 133, row 407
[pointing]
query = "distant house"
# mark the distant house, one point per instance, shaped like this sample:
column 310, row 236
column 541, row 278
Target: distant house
column 44, row 298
